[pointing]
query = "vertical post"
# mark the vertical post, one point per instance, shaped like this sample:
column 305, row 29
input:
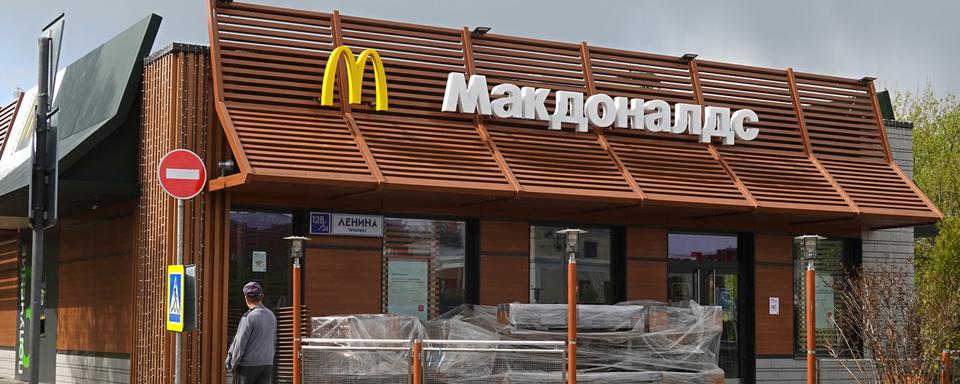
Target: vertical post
column 417, row 367
column 178, row 336
column 38, row 201
column 809, row 244
column 296, row 253
column 297, row 374
column 945, row 367
column 572, row 318
column 573, row 239
column 811, row 325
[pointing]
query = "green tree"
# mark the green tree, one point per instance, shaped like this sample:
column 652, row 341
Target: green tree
column 936, row 149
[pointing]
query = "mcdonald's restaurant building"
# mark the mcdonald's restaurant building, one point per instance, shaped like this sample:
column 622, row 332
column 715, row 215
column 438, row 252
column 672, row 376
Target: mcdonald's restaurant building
column 440, row 161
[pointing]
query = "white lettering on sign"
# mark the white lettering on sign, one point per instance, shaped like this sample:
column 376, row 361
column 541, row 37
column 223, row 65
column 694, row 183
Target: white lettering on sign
column 183, row 174
column 599, row 110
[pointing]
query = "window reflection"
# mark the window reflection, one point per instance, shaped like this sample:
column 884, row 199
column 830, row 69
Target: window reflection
column 832, row 258
column 548, row 266
column 258, row 253
column 702, row 247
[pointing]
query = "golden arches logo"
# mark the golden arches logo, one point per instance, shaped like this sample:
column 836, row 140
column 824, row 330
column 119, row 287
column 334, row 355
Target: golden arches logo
column 355, row 69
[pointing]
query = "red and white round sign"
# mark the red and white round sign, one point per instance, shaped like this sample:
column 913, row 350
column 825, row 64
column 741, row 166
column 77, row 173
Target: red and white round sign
column 182, row 174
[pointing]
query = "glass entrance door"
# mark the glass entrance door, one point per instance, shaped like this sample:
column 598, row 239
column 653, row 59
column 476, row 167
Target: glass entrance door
column 714, row 287
column 725, row 289
column 704, row 268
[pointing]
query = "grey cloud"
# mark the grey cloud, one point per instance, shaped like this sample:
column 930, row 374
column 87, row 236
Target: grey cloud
column 903, row 44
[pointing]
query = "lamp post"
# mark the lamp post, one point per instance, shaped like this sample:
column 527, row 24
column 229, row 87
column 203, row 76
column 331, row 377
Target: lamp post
column 296, row 253
column 573, row 238
column 809, row 245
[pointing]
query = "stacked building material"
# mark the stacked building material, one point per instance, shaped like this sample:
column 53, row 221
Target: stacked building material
column 637, row 342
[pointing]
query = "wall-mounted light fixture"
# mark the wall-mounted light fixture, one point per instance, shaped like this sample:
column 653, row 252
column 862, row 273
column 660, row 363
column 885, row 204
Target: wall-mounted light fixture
column 479, row 31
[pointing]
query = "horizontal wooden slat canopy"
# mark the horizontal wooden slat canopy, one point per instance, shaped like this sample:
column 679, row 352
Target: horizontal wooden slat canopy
column 822, row 147
column 7, row 114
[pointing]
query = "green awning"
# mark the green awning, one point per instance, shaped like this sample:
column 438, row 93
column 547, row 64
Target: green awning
column 98, row 124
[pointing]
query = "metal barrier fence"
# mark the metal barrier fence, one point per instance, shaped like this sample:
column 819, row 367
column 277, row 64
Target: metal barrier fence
column 488, row 361
column 362, row 361
column 356, row 361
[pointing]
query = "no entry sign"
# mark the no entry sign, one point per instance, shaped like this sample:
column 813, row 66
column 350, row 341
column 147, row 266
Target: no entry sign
column 182, row 174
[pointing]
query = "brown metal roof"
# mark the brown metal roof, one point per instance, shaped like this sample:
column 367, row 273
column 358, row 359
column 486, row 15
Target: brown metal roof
column 822, row 147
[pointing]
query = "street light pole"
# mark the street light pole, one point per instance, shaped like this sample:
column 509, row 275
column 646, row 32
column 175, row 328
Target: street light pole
column 38, row 207
column 42, row 208
column 573, row 239
column 296, row 253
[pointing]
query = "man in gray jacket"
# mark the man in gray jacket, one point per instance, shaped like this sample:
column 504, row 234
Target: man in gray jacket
column 250, row 356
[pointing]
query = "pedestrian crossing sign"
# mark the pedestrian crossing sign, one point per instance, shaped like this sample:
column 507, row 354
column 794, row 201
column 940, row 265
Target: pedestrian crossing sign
column 174, row 298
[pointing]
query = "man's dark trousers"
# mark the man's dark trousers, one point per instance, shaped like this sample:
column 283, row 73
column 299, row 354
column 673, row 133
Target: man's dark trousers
column 261, row 374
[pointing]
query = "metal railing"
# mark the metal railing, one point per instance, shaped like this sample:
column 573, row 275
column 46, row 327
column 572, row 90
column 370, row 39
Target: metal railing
column 364, row 361
column 493, row 361
column 356, row 361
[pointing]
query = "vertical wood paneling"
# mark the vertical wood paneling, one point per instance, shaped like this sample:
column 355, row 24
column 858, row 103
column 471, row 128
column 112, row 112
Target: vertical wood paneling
column 177, row 113
column 504, row 262
column 342, row 275
column 9, row 245
column 774, row 278
column 646, row 264
column 94, row 314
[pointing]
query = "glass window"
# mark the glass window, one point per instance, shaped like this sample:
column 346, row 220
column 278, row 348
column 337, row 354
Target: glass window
column 702, row 247
column 424, row 266
column 832, row 259
column 259, row 253
column 548, row 266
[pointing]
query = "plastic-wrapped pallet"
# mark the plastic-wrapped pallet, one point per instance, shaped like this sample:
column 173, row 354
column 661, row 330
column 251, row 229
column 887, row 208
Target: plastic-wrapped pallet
column 591, row 318
column 468, row 323
column 361, row 365
column 635, row 342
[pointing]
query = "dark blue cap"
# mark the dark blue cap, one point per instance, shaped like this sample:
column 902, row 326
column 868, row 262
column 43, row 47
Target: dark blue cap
column 252, row 290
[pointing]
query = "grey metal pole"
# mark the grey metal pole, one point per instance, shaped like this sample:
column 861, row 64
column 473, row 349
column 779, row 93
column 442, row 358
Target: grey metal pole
column 38, row 200
column 179, row 336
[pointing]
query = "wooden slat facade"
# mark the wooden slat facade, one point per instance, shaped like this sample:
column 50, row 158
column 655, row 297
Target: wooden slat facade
column 646, row 264
column 94, row 313
column 253, row 99
column 773, row 274
column 504, row 262
column 9, row 286
column 817, row 132
column 178, row 112
column 8, row 114
column 342, row 275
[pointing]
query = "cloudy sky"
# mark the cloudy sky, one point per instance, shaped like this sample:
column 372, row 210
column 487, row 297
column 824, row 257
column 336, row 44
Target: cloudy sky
column 905, row 44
